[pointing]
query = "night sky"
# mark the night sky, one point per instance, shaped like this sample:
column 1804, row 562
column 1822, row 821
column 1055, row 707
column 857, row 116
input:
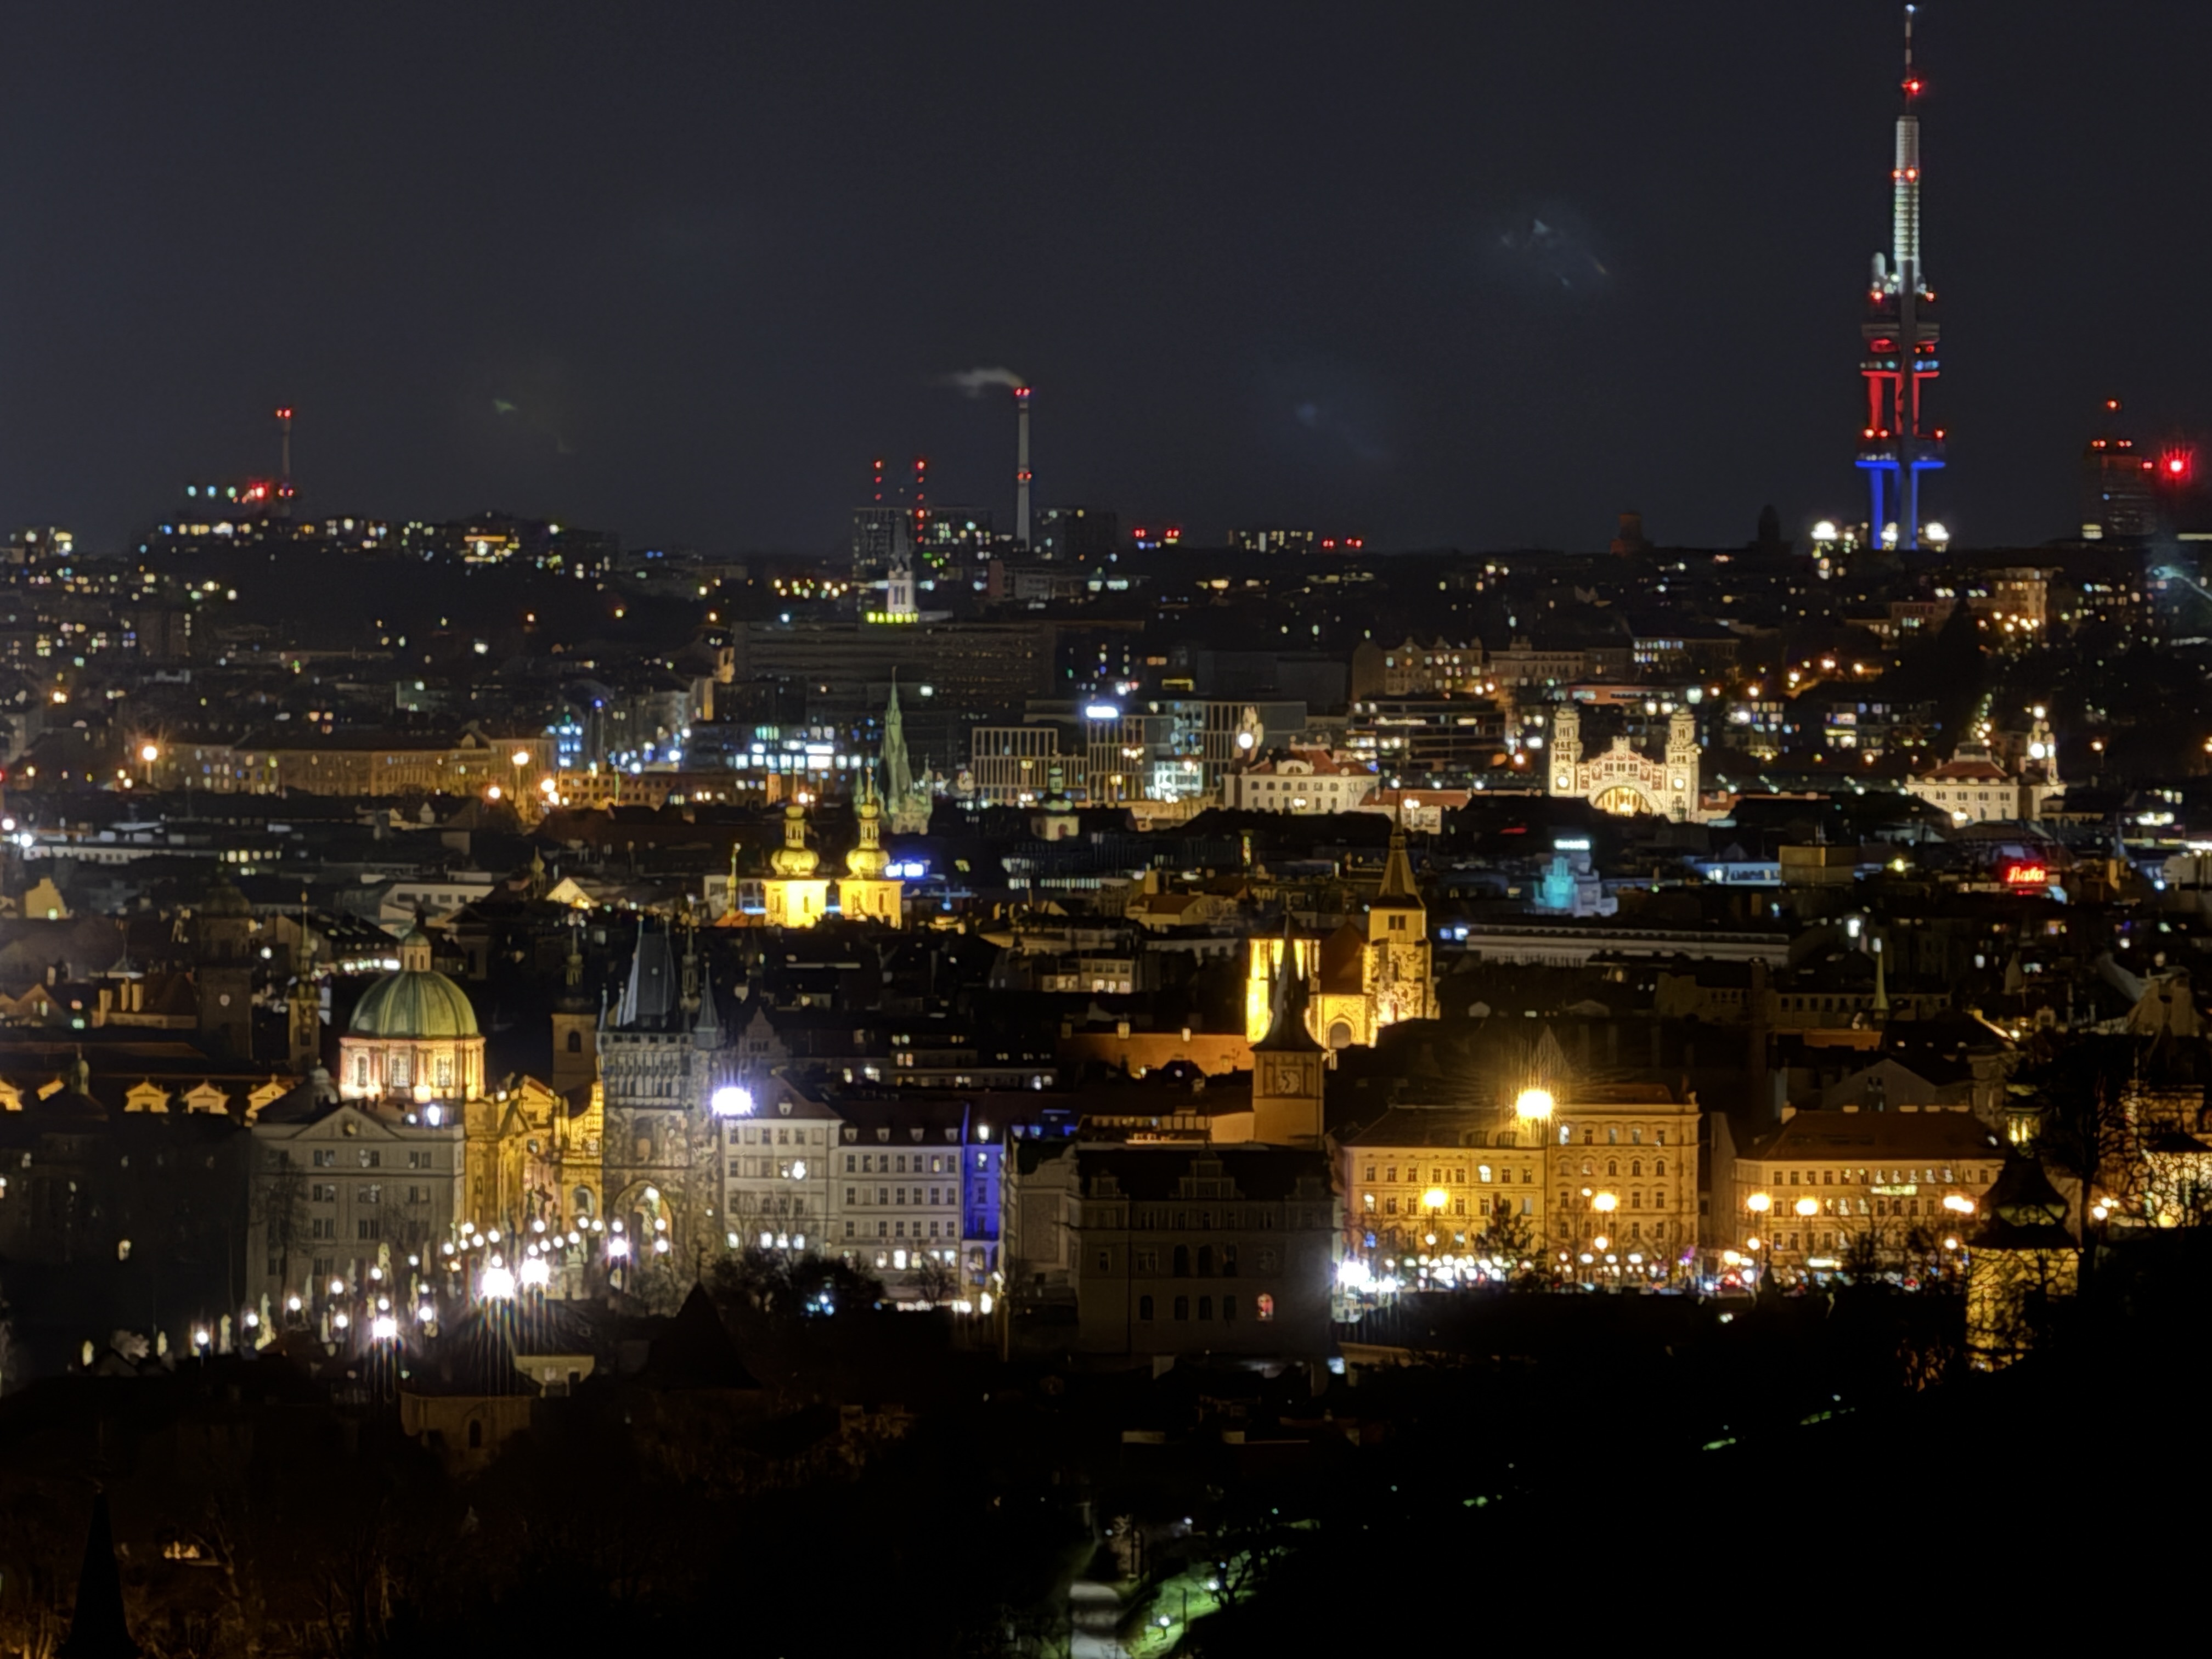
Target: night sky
column 1477, row 275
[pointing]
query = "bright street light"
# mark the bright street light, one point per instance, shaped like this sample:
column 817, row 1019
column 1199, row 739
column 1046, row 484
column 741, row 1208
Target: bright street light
column 1535, row 1104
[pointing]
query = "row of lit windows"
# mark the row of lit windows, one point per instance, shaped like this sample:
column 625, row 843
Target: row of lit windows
column 1635, row 1166
column 951, row 1195
column 1483, row 1172
column 1889, row 1177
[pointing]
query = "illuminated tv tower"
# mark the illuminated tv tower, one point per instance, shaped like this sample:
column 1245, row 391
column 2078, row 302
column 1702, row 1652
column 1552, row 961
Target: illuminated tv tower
column 1901, row 336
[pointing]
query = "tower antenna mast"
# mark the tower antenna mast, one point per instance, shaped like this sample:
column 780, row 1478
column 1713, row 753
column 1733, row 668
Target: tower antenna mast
column 1901, row 337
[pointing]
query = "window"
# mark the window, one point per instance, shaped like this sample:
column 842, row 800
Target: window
column 1370, row 1172
column 323, row 1227
column 1229, row 1262
column 326, row 1159
column 418, row 1161
column 1636, row 1166
column 365, row 1229
column 371, row 1194
column 371, row 1159
column 1229, row 1309
column 1145, row 1307
column 1181, row 1309
column 1105, row 1260
column 1205, row 1308
column 1181, row 1268
column 402, row 1069
column 360, row 1071
column 1205, row 1261
column 575, row 1043
column 849, row 1165
column 1612, row 1166
column 1266, row 1307
column 323, row 1192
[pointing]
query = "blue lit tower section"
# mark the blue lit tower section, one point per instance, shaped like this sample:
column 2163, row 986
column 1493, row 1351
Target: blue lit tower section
column 1901, row 336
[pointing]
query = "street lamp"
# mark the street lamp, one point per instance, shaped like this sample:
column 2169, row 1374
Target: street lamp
column 1756, row 1205
column 1432, row 1207
column 1533, row 1105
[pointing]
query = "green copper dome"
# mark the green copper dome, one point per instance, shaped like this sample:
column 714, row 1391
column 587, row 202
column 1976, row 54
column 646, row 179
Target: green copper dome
column 418, row 1005
column 417, row 1001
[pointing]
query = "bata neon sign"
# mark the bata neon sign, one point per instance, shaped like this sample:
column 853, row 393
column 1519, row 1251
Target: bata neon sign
column 2027, row 875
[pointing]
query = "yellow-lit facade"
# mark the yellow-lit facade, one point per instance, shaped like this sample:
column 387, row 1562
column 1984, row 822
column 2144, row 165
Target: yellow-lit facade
column 1622, row 1192
column 1830, row 1185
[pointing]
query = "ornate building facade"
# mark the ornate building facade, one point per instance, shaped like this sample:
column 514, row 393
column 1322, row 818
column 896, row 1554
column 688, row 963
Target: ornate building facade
column 1623, row 779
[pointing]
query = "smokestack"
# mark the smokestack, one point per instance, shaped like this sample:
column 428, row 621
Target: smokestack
column 1022, row 464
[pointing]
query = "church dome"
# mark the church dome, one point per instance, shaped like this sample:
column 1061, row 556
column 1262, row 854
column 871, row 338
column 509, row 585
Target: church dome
column 795, row 860
column 868, row 860
column 417, row 1001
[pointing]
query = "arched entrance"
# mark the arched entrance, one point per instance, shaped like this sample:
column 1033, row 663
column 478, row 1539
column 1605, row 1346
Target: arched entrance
column 1623, row 800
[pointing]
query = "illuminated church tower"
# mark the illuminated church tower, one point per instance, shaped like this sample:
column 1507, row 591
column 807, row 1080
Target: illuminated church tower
column 866, row 894
column 1288, row 1066
column 1400, row 984
column 796, row 897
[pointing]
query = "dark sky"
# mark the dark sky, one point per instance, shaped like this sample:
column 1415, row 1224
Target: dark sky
column 684, row 269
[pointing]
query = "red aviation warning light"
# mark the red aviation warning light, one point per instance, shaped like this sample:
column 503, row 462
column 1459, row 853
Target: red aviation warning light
column 2177, row 464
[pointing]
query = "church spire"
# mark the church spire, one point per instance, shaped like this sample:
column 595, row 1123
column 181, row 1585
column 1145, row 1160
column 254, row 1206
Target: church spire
column 1398, row 891
column 1286, row 1027
column 98, row 1627
column 898, row 771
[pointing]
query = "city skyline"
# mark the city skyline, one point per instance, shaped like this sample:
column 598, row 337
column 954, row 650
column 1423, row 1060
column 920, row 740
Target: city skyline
column 1429, row 294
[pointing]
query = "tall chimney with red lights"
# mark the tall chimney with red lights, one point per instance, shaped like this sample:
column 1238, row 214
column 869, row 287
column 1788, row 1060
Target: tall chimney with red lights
column 1022, row 465
column 284, row 462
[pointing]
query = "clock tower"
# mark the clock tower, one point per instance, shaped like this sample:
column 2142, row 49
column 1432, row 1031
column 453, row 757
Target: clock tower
column 1287, row 1067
